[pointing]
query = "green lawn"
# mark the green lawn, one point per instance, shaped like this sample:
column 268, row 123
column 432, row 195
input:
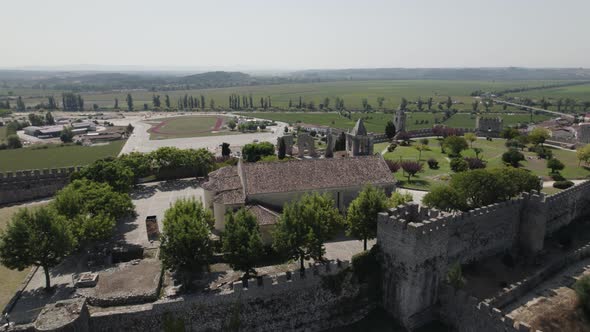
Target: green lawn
column 11, row 279
column 492, row 154
column 2, row 134
column 56, row 156
column 578, row 92
column 186, row 126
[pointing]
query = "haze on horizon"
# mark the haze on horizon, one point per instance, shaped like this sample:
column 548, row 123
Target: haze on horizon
column 296, row 34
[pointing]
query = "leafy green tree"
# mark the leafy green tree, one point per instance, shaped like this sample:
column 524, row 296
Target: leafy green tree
column 404, row 104
column 282, row 148
column 555, row 165
column 420, row 148
column 397, row 198
column 459, row 165
column 390, row 129
column 231, row 124
column 455, row 144
column 13, row 142
column 512, row 157
column 199, row 162
column 129, row 102
column 225, row 150
column 38, row 238
column 185, row 241
column 477, row 152
column 305, row 225
column 49, row 120
column 449, row 103
column 242, row 242
column 361, row 217
column 509, row 133
column 92, row 209
column 583, row 154
column 36, row 120
column 444, row 198
column 119, row 176
column 539, row 135
column 471, row 138
column 340, row 144
column 252, row 152
column 67, row 135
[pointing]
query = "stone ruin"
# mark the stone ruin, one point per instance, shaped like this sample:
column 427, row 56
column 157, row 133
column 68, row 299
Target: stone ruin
column 305, row 142
column 488, row 126
column 330, row 142
column 399, row 120
column 584, row 133
column 358, row 141
column 288, row 140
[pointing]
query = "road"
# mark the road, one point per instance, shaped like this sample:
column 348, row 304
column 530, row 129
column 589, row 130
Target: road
column 140, row 141
column 498, row 101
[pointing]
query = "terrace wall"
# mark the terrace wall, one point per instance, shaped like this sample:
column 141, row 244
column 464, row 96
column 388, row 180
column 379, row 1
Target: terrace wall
column 27, row 185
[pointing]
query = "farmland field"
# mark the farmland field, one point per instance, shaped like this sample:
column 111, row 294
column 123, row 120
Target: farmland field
column 56, row 156
column 188, row 126
column 351, row 91
column 579, row 92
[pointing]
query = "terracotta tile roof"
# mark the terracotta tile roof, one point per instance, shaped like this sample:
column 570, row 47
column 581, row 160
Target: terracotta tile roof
column 235, row 196
column 225, row 178
column 263, row 215
column 305, row 175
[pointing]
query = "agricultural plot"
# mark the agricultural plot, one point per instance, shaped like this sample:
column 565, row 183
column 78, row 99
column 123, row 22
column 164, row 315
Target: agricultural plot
column 188, row 126
column 51, row 156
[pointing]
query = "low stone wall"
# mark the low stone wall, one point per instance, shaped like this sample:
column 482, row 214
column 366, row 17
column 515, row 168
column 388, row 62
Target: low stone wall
column 27, row 185
column 466, row 314
column 323, row 299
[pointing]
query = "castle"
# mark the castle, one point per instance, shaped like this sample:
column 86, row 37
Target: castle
column 488, row 126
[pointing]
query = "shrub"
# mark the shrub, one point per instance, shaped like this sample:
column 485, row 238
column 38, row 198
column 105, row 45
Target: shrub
column 475, row 163
column 411, row 168
column 13, row 142
column 543, row 152
column 391, row 147
column 512, row 157
column 555, row 165
column 582, row 289
column 563, row 184
column 455, row 276
column 365, row 264
column 459, row 165
column 432, row 163
column 393, row 165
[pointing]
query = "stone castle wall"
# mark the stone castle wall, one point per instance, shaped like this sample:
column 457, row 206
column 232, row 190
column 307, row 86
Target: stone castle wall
column 278, row 303
column 33, row 184
column 419, row 245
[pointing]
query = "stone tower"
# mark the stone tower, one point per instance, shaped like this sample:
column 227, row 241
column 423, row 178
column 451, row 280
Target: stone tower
column 329, row 144
column 358, row 141
column 399, row 120
column 488, row 126
column 584, row 133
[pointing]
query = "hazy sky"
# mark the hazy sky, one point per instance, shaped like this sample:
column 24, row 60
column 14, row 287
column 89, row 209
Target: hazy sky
column 294, row 34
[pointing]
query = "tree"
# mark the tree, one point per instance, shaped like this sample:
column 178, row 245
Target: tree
column 38, row 238
column 231, row 124
column 305, row 225
column 411, row 168
column 459, row 165
column 420, row 148
column 13, row 142
column 67, row 135
column 420, row 104
column 404, row 104
column 282, row 148
column 583, row 154
column 49, row 120
column 92, row 209
column 470, row 137
column 477, row 152
column 444, row 198
column 555, row 165
column 390, row 129
column 185, row 241
column 242, row 242
column 253, row 152
column 582, row 289
column 167, row 101
column 539, row 135
column 119, row 176
column 225, row 150
column 20, row 104
column 449, row 103
column 340, row 144
column 512, row 157
column 455, row 144
column 36, row 120
column 509, row 133
column 361, row 217
column 129, row 103
column 475, row 105
column 397, row 198
column 429, row 103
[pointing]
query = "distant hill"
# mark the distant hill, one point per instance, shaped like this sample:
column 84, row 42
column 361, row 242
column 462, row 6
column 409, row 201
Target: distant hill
column 217, row 79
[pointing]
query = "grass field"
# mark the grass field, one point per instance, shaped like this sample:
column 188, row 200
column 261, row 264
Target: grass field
column 2, row 134
column 351, row 91
column 10, row 279
column 188, row 126
column 578, row 92
column 375, row 122
column 492, row 154
column 56, row 156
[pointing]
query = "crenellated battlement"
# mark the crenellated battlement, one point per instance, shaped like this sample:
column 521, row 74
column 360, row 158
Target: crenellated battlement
column 568, row 193
column 27, row 185
column 271, row 284
column 37, row 174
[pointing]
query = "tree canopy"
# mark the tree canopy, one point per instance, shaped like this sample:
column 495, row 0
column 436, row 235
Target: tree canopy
column 242, row 242
column 185, row 241
column 305, row 225
column 253, row 152
column 119, row 176
column 39, row 238
column 455, row 144
column 361, row 217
